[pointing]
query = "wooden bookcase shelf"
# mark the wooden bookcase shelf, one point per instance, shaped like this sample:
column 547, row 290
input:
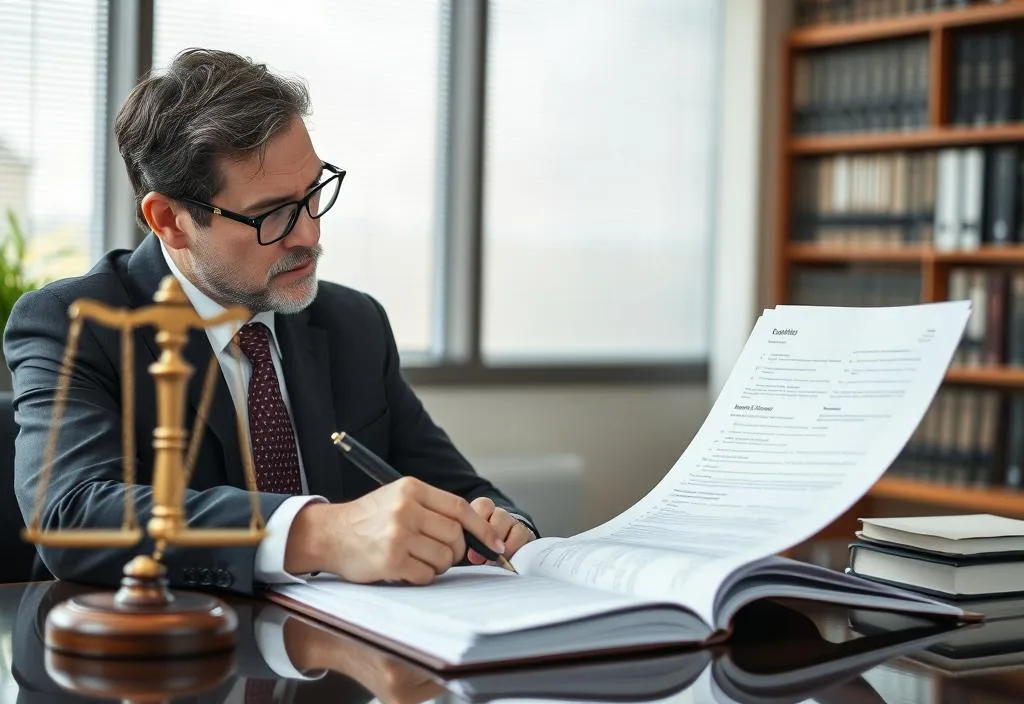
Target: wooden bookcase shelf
column 835, row 254
column 912, row 139
column 998, row 377
column 926, row 255
column 941, row 29
column 968, row 499
column 1012, row 255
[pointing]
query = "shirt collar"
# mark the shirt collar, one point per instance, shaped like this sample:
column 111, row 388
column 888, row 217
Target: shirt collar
column 220, row 335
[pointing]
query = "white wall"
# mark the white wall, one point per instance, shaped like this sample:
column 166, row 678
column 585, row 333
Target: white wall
column 628, row 437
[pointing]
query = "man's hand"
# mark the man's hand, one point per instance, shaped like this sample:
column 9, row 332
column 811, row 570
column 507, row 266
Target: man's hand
column 505, row 525
column 405, row 531
column 388, row 677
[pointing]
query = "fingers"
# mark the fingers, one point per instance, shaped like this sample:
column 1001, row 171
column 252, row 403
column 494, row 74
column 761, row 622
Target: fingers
column 401, row 684
column 502, row 522
column 444, row 530
column 512, row 531
column 438, row 556
column 519, row 536
column 458, row 509
column 484, row 506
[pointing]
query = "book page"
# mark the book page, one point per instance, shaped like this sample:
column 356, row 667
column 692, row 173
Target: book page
column 818, row 405
column 620, row 567
column 464, row 599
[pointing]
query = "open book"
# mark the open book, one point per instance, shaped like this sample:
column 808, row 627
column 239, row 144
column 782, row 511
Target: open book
column 818, row 405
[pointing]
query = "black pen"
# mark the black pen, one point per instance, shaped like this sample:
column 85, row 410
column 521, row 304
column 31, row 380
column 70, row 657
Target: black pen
column 383, row 473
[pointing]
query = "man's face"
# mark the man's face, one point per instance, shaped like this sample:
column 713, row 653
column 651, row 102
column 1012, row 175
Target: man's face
column 226, row 260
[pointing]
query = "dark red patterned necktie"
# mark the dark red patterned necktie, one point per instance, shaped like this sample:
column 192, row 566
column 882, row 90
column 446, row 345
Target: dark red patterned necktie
column 275, row 456
column 259, row 691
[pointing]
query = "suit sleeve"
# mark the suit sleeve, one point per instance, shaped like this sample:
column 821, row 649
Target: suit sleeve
column 86, row 488
column 421, row 448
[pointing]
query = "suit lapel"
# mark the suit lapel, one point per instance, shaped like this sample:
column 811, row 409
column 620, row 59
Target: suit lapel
column 305, row 355
column 148, row 268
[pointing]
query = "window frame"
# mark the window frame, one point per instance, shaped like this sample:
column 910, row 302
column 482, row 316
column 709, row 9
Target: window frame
column 456, row 358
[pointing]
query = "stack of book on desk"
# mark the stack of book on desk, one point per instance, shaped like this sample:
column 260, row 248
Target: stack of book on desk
column 952, row 557
column 973, row 561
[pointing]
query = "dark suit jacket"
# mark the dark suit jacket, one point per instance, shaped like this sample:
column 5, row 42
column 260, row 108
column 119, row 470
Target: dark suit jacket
column 341, row 369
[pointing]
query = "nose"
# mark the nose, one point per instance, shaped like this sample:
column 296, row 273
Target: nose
column 305, row 233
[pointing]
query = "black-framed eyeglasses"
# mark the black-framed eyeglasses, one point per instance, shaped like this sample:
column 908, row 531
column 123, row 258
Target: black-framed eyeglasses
column 275, row 224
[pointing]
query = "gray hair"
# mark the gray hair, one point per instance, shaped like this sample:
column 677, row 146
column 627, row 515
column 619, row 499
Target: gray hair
column 173, row 129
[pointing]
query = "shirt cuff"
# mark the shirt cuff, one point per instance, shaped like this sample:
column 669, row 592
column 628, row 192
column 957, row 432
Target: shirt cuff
column 526, row 523
column 269, row 562
column 269, row 631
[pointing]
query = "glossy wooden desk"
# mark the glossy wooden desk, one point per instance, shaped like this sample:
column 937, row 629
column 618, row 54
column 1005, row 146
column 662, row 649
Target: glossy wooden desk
column 781, row 653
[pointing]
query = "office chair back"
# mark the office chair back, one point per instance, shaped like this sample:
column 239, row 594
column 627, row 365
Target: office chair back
column 19, row 561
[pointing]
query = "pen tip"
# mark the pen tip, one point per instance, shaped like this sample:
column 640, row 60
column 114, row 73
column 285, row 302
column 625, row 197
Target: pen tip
column 503, row 561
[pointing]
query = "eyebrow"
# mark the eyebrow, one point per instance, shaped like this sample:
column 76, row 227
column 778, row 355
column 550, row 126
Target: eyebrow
column 265, row 204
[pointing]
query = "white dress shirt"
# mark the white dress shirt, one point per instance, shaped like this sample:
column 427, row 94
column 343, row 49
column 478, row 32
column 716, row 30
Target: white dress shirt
column 269, row 563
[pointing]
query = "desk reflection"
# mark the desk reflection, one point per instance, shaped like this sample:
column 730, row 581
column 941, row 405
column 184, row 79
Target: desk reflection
column 778, row 654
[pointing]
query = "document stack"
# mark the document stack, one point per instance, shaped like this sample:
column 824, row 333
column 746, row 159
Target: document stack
column 951, row 557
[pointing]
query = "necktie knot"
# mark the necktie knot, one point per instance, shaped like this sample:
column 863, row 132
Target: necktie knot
column 254, row 341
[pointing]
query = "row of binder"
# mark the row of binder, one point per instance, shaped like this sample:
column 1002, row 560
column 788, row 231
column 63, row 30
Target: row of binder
column 988, row 77
column 886, row 198
column 968, row 437
column 869, row 87
column 995, row 331
column 855, row 286
column 978, row 197
column 958, row 199
column 815, row 12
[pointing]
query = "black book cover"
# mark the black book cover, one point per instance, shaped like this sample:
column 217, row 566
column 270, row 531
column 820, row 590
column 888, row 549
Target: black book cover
column 1003, row 194
column 940, row 558
column 963, row 114
column 1005, row 92
column 984, row 75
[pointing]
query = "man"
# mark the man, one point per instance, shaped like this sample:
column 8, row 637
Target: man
column 231, row 189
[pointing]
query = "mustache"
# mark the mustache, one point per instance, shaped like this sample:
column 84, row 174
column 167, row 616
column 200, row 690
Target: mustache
column 296, row 258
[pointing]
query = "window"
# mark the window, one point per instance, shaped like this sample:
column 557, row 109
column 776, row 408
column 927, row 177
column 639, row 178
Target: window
column 529, row 182
column 53, row 128
column 374, row 73
column 598, row 169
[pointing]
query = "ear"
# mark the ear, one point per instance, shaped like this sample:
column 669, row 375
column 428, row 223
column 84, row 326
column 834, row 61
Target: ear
column 163, row 215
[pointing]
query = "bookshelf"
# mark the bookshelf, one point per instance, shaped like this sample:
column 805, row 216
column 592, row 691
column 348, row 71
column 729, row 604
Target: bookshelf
column 941, row 29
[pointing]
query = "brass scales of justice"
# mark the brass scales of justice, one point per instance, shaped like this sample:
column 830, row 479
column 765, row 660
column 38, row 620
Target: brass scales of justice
column 143, row 619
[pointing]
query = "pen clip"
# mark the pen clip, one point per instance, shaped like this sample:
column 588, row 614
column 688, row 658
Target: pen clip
column 339, row 440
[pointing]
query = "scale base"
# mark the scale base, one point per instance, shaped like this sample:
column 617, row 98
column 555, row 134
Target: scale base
column 143, row 620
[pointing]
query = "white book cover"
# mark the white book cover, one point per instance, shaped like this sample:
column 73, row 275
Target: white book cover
column 966, row 527
column 947, row 201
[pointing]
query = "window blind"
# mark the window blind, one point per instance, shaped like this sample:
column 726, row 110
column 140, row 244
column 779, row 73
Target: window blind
column 53, row 126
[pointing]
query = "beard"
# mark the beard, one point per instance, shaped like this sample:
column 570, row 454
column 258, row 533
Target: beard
column 216, row 279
